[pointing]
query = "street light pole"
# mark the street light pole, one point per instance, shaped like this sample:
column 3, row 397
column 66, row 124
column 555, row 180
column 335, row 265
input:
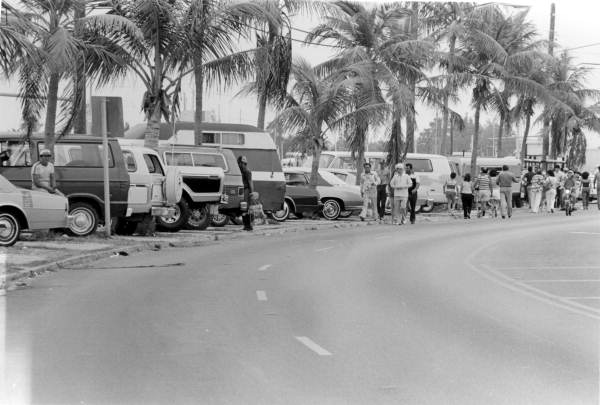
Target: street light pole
column 103, row 130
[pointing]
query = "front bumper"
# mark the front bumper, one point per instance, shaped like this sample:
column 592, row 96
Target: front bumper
column 162, row 211
column 70, row 219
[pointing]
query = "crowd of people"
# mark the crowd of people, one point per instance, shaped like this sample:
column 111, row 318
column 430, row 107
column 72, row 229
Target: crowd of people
column 490, row 193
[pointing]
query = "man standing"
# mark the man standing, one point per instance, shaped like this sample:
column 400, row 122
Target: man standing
column 248, row 189
column 505, row 180
column 527, row 178
column 400, row 183
column 368, row 190
column 412, row 191
column 597, row 186
column 42, row 174
column 560, row 179
column 384, row 181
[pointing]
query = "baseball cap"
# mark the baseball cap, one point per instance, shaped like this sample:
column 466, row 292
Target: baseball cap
column 46, row 152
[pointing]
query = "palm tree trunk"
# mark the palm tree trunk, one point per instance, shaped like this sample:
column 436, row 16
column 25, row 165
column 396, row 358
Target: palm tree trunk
column 475, row 141
column 451, row 138
column 80, row 79
column 314, row 172
column 410, row 119
column 499, row 140
column 545, row 138
column 199, row 83
column 446, row 96
column 524, row 143
column 152, row 132
column 262, row 108
column 49, row 129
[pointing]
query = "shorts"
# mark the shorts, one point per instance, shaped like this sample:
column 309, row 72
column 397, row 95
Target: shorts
column 483, row 195
column 496, row 194
column 451, row 195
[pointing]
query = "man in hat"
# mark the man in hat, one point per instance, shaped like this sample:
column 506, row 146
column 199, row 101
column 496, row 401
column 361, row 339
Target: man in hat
column 368, row 190
column 42, row 174
column 248, row 189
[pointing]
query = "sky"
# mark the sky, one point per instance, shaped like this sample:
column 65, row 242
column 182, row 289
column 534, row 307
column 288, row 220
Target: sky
column 576, row 26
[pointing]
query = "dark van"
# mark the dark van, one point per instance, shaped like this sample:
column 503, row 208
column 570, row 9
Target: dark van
column 79, row 174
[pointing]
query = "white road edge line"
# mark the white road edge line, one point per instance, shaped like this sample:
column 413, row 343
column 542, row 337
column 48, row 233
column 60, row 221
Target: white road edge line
column 587, row 233
column 265, row 267
column 591, row 266
column 313, row 346
column 261, row 295
column 582, row 298
column 324, row 249
column 560, row 281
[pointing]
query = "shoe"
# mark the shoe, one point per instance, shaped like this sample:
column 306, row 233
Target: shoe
column 362, row 218
column 412, row 222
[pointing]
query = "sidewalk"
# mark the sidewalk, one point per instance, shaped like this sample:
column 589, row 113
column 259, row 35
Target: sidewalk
column 35, row 254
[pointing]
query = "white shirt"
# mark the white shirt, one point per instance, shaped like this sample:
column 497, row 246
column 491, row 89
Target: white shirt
column 400, row 184
column 43, row 172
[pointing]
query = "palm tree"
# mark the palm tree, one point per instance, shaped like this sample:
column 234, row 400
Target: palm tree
column 314, row 106
column 52, row 56
column 569, row 119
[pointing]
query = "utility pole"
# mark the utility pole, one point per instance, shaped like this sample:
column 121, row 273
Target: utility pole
column 546, row 131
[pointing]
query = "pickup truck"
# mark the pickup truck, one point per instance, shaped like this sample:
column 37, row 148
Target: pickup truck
column 79, row 175
column 154, row 190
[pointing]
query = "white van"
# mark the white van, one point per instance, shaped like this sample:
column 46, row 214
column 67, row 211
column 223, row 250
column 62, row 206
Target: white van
column 462, row 165
column 255, row 144
column 432, row 170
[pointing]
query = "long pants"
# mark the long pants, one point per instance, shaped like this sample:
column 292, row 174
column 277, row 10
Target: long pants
column 412, row 205
column 467, row 204
column 381, row 198
column 536, row 199
column 551, row 199
column 559, row 198
column 529, row 197
column 372, row 199
column 598, row 197
column 399, row 209
column 506, row 201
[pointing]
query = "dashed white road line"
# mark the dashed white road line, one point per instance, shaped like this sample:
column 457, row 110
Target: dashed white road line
column 313, row 346
column 581, row 298
column 324, row 249
column 265, row 267
column 587, row 233
column 561, row 281
column 261, row 295
column 565, row 267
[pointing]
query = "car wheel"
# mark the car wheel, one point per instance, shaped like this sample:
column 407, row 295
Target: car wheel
column 282, row 214
column 199, row 218
column 331, row 209
column 9, row 229
column 85, row 219
column 219, row 220
column 425, row 208
column 175, row 222
column 236, row 220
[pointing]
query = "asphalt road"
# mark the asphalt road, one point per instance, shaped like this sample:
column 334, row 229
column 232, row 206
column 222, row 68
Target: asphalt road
column 478, row 312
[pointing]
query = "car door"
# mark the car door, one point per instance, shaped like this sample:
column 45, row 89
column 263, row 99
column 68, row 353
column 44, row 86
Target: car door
column 305, row 198
column 140, row 182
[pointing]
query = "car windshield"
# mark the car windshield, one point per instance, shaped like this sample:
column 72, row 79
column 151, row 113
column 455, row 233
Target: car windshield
column 6, row 186
column 332, row 179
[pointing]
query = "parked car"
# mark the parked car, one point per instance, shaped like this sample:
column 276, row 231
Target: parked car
column 79, row 175
column 22, row 209
column 202, row 193
column 300, row 199
column 339, row 199
column 347, row 176
column 154, row 189
column 233, row 187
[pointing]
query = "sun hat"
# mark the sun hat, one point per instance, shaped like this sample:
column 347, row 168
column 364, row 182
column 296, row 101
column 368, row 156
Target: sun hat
column 46, row 152
column 399, row 166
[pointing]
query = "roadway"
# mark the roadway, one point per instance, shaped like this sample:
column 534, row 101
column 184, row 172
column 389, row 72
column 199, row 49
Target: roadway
column 468, row 312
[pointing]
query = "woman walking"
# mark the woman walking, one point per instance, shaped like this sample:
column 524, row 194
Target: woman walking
column 495, row 192
column 450, row 190
column 551, row 184
column 537, row 184
column 466, row 196
column 484, row 192
column 586, row 186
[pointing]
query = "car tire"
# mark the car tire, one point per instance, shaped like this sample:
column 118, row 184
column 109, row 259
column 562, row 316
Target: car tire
column 219, row 220
column 175, row 222
column 10, row 228
column 173, row 185
column 236, row 219
column 282, row 214
column 331, row 209
column 424, row 208
column 85, row 219
column 199, row 218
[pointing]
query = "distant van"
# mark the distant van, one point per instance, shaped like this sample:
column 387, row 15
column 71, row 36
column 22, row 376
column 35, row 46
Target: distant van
column 432, row 170
column 462, row 165
column 255, row 144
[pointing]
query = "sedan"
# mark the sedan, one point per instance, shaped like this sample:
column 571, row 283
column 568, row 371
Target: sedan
column 300, row 199
column 339, row 199
column 27, row 209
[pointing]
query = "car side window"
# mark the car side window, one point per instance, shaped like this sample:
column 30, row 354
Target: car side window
column 129, row 161
column 153, row 164
column 295, row 179
column 79, row 154
column 15, row 153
